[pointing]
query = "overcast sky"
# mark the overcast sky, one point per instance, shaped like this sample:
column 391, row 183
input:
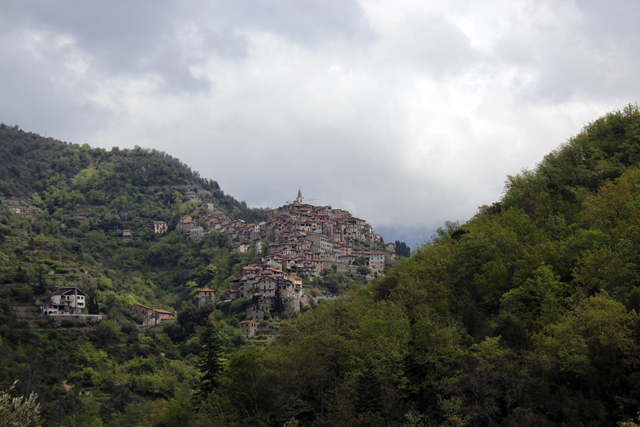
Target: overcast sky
column 406, row 113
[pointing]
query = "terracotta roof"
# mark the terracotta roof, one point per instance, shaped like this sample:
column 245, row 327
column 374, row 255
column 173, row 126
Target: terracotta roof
column 159, row 310
column 207, row 290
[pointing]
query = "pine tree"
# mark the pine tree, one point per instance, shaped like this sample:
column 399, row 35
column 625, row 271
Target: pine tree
column 210, row 362
column 93, row 306
column 278, row 303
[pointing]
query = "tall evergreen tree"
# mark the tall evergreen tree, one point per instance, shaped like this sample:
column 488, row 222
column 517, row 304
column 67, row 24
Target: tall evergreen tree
column 278, row 303
column 210, row 362
column 402, row 249
column 93, row 306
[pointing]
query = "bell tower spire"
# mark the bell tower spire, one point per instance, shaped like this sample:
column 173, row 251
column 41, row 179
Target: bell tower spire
column 300, row 199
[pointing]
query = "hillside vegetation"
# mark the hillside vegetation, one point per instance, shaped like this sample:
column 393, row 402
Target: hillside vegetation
column 74, row 202
column 525, row 315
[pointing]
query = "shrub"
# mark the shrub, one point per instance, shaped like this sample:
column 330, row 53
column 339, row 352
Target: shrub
column 66, row 323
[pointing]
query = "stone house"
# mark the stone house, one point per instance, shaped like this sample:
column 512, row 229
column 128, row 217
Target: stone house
column 254, row 313
column 185, row 224
column 153, row 316
column 375, row 260
column 267, row 286
column 196, row 233
column 391, row 250
column 163, row 315
column 146, row 313
column 205, row 296
column 249, row 327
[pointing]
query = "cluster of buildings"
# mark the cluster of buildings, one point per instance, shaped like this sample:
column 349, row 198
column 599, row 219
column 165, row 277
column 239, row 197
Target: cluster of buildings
column 258, row 278
column 302, row 238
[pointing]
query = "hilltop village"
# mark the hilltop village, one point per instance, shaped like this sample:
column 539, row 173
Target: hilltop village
column 297, row 240
column 300, row 239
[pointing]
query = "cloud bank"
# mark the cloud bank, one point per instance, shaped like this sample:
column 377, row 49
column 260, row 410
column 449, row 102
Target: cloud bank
column 407, row 113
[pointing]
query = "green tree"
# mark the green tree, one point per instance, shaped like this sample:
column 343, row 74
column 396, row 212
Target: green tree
column 210, row 362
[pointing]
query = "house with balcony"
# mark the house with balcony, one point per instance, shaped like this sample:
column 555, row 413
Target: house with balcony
column 65, row 300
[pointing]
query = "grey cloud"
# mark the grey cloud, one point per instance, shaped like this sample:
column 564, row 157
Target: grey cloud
column 408, row 128
column 308, row 22
column 437, row 46
column 591, row 54
column 126, row 38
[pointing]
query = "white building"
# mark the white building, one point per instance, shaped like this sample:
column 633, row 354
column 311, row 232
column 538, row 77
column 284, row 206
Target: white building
column 69, row 299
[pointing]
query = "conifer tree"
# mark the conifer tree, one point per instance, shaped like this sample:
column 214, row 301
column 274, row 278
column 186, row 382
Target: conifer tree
column 210, row 362
column 93, row 306
column 278, row 304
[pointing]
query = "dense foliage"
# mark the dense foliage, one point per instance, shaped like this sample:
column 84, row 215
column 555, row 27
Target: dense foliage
column 66, row 175
column 74, row 202
column 525, row 315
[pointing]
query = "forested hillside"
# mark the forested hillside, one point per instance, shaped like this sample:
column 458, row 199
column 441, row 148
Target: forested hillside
column 525, row 315
column 65, row 175
column 63, row 210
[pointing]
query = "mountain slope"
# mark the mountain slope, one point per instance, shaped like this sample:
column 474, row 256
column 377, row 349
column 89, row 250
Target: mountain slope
column 524, row 315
